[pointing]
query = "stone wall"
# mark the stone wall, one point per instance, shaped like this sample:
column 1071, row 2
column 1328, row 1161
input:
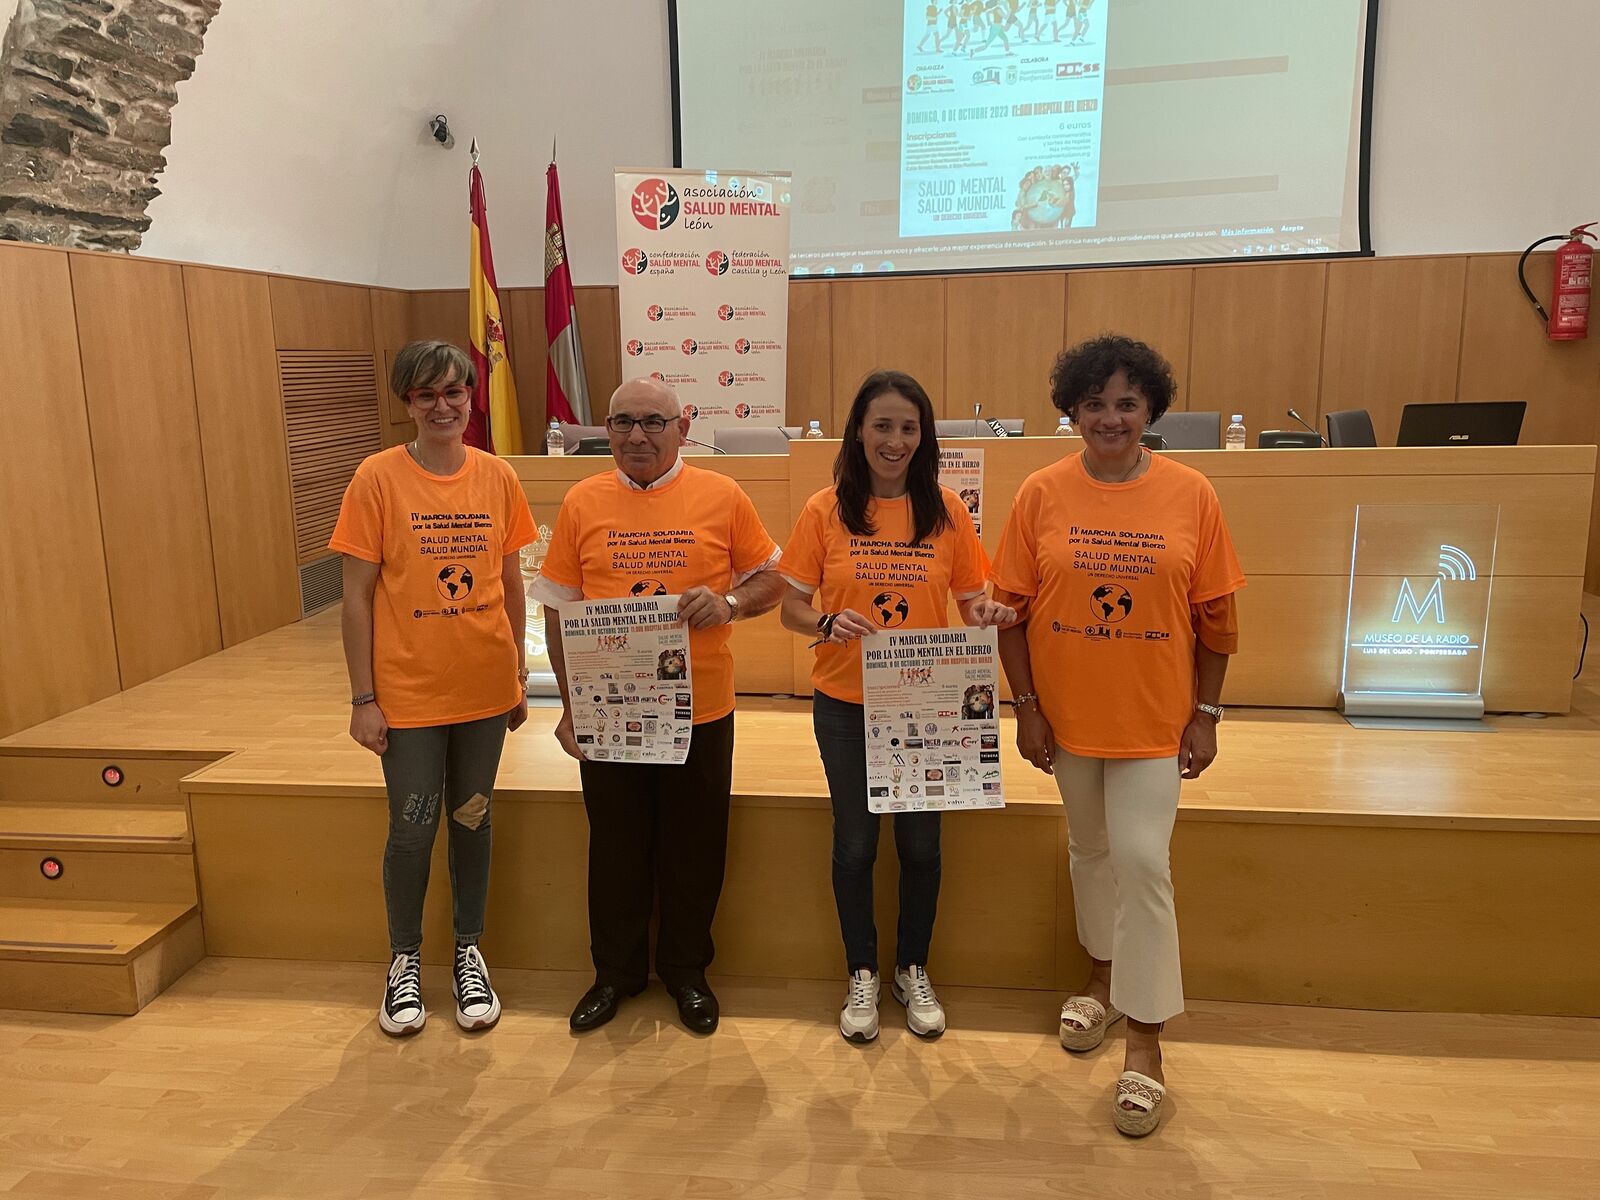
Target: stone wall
column 86, row 95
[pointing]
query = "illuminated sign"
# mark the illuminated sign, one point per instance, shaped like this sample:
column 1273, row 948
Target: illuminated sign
column 1421, row 578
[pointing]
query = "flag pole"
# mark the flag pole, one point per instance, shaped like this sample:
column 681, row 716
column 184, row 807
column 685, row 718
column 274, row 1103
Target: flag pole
column 474, row 151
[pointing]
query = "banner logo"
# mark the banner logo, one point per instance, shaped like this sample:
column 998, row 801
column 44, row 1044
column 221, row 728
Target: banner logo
column 725, row 378
column 655, row 204
column 654, row 313
column 725, row 312
column 636, row 347
column 717, row 262
column 635, row 261
column 742, row 411
column 741, row 346
column 690, row 346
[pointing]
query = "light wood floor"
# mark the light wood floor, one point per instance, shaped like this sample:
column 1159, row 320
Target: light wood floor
column 257, row 1079
column 280, row 702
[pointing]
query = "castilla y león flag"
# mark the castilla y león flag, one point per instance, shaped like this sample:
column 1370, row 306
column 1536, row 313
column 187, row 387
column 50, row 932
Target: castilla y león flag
column 566, row 392
column 495, row 424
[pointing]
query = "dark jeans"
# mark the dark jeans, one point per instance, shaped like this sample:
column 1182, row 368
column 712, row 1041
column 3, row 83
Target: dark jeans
column 426, row 769
column 654, row 827
column 843, row 743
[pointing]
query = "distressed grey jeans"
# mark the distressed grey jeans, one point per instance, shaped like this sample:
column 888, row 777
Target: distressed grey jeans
column 448, row 767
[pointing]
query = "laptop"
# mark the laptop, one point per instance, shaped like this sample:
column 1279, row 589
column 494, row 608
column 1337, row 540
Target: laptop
column 1496, row 423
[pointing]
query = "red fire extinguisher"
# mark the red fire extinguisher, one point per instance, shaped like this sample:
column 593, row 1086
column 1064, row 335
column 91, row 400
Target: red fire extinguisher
column 1568, row 317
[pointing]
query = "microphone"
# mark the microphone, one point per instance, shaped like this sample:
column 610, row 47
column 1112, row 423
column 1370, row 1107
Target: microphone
column 1321, row 441
column 706, row 445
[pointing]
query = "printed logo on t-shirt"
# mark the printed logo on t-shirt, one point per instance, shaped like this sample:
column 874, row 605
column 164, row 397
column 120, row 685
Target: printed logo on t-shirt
column 648, row 587
column 890, row 609
column 455, row 581
column 1111, row 602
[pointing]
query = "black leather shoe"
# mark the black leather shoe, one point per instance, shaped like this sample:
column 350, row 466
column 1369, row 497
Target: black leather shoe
column 697, row 1009
column 599, row 1005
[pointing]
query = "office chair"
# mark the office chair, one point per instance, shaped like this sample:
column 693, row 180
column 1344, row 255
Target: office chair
column 753, row 439
column 1190, row 430
column 1351, row 427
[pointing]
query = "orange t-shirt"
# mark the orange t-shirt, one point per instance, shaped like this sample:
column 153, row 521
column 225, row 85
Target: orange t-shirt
column 883, row 577
column 698, row 530
column 442, row 650
column 1113, row 570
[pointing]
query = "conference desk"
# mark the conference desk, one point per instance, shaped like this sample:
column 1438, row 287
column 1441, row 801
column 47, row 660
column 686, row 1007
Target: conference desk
column 1292, row 515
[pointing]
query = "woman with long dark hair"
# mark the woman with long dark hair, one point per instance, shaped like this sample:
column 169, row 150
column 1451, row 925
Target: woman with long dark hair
column 883, row 548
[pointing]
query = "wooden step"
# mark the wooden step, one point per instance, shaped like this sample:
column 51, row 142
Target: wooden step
column 65, row 872
column 100, row 825
column 93, row 956
column 79, row 776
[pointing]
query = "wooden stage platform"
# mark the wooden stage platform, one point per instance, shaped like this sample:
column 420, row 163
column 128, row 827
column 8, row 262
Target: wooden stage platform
column 1315, row 863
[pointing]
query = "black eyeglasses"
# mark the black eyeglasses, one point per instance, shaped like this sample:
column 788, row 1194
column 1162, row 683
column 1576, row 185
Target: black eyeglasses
column 624, row 423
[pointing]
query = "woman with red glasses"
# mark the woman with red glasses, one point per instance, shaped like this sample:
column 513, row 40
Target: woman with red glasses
column 433, row 640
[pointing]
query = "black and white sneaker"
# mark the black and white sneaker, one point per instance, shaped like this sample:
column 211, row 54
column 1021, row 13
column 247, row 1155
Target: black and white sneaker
column 477, row 1007
column 402, row 1012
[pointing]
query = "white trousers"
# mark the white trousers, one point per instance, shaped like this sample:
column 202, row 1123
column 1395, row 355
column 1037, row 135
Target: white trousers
column 1120, row 813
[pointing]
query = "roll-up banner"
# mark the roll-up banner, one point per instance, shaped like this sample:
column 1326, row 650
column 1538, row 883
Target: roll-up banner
column 704, row 290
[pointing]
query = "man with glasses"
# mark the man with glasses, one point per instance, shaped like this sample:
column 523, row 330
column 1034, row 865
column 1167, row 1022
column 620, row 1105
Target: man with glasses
column 657, row 520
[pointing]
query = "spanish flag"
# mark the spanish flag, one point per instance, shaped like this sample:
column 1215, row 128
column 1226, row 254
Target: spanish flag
column 494, row 425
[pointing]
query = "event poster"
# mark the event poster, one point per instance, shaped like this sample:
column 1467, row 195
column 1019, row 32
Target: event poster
column 703, row 296
column 628, row 679
column 962, row 472
column 1000, row 118
column 932, row 715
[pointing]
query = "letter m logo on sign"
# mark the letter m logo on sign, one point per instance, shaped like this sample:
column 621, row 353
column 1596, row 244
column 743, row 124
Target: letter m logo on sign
column 1407, row 602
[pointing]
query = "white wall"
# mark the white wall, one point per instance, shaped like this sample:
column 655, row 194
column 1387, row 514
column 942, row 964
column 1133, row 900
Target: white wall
column 1482, row 124
column 299, row 145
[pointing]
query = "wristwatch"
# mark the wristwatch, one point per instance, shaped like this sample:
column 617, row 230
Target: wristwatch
column 1214, row 711
column 732, row 602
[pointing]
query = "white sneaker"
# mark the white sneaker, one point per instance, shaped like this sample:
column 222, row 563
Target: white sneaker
column 477, row 1007
column 402, row 1011
column 924, row 1013
column 858, row 1020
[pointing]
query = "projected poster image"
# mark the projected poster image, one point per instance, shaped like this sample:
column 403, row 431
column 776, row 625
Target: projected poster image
column 996, row 138
column 992, row 134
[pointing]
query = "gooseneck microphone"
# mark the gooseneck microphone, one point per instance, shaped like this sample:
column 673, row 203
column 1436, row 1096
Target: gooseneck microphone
column 707, row 445
column 1311, row 428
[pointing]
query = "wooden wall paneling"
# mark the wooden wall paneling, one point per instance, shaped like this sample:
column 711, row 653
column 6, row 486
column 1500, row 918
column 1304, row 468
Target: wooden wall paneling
column 891, row 323
column 443, row 314
column 56, row 638
column 330, row 412
column 810, row 368
column 391, row 319
column 1505, row 354
column 1003, row 332
column 244, row 450
column 311, row 315
column 530, row 353
column 602, row 347
column 1153, row 304
column 1257, row 341
column 1392, row 337
column 139, row 384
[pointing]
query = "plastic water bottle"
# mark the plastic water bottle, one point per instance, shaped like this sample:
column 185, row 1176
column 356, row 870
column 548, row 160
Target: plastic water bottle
column 1064, row 426
column 1235, row 437
column 814, row 430
column 554, row 442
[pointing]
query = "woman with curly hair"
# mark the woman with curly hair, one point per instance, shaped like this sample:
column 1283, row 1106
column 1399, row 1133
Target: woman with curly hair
column 1119, row 563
